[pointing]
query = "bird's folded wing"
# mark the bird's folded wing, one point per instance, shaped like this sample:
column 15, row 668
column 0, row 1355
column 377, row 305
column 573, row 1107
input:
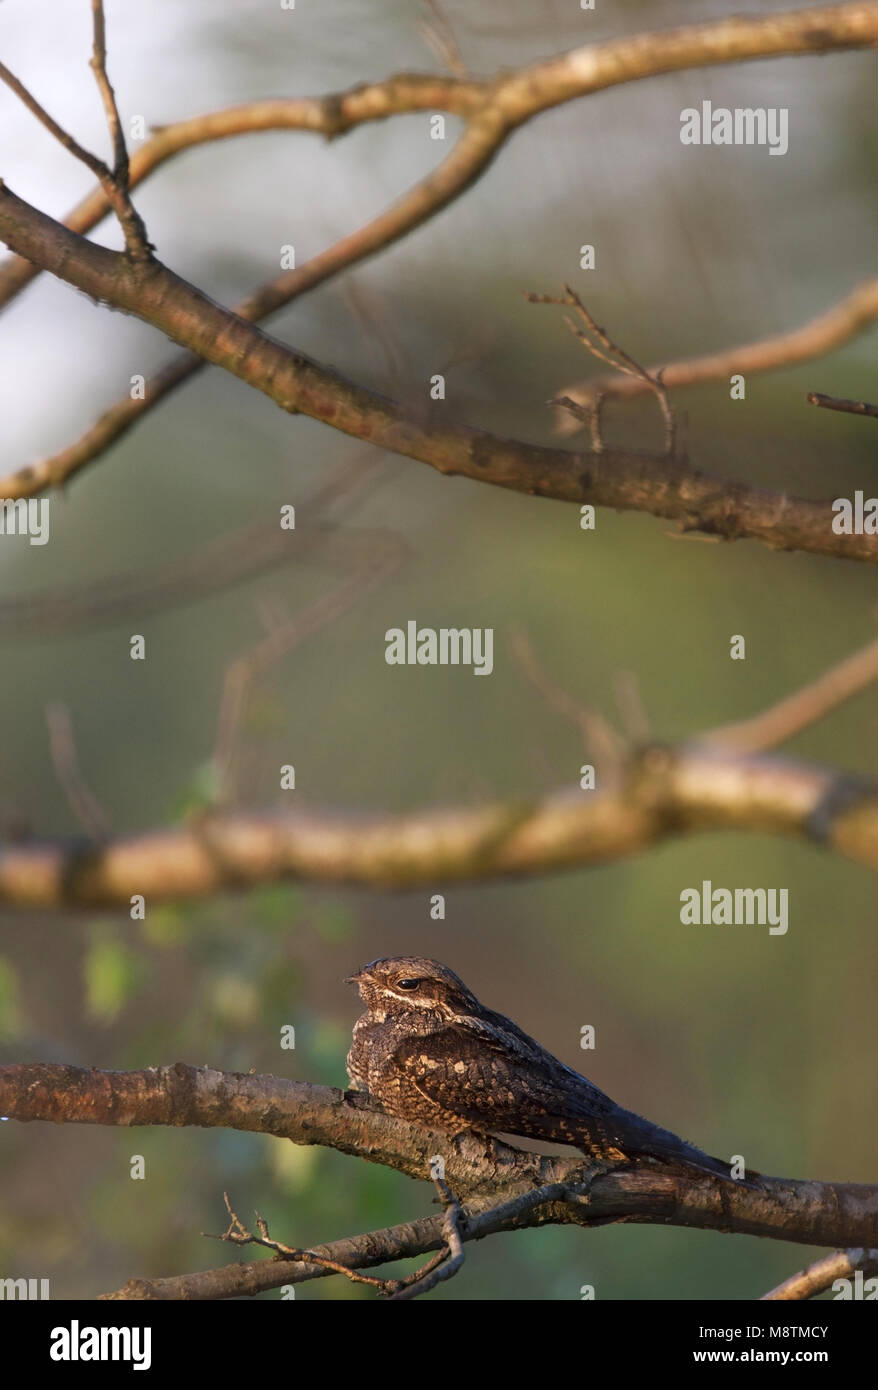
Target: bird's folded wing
column 476, row 1076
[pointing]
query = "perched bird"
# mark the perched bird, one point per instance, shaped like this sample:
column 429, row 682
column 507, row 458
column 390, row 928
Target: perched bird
column 427, row 1050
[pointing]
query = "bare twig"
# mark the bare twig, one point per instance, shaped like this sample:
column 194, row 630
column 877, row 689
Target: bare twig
column 818, row 1277
column 819, row 336
column 441, row 187
column 283, row 637
column 136, row 240
column 440, row 36
column 98, row 65
column 837, row 403
column 493, row 110
column 597, row 341
column 803, row 708
column 96, row 165
column 441, row 1266
column 62, row 745
column 238, row 1234
column 219, row 564
column 115, row 190
column 598, row 735
column 631, row 708
column 446, row 1266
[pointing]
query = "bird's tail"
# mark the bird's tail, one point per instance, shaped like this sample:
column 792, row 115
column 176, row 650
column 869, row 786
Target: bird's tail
column 640, row 1138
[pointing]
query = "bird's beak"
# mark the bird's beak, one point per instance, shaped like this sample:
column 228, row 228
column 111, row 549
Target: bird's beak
column 353, row 979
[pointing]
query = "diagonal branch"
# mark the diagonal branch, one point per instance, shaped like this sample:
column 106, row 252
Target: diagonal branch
column 803, row 708
column 522, row 93
column 823, row 1274
column 493, row 109
column 113, row 182
column 625, row 480
column 441, row 187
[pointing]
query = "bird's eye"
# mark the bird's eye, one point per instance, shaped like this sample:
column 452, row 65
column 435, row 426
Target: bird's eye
column 408, row 984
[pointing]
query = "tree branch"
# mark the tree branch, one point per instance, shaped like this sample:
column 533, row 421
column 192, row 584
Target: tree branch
column 847, row 407
column 664, row 792
column 513, row 1187
column 113, row 182
column 615, row 478
column 821, row 1275
column 820, row 335
column 522, row 93
column 625, row 480
column 647, row 795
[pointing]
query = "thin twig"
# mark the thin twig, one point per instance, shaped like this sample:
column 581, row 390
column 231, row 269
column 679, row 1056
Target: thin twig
column 599, row 737
column 816, row 1278
column 238, row 1234
column 283, row 637
column 135, row 234
column 819, row 336
column 439, row 35
column 137, row 243
column 445, row 1263
column 80, row 798
column 803, row 708
column 631, row 707
column 838, row 403
column 98, row 64
column 597, row 341
column 438, row 1269
column 97, row 166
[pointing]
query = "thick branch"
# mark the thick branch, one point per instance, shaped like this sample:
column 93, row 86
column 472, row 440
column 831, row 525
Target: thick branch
column 665, row 792
column 627, row 481
column 836, row 1214
column 617, row 479
column 453, row 176
column 522, row 94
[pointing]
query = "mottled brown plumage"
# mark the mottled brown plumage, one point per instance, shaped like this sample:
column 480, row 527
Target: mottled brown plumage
column 427, row 1050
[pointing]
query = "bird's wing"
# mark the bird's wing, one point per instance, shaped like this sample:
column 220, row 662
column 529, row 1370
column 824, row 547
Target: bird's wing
column 471, row 1073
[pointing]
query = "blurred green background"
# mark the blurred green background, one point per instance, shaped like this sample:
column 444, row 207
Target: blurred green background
column 742, row 1042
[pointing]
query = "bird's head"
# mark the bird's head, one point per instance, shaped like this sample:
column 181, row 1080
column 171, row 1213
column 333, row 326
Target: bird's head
column 403, row 984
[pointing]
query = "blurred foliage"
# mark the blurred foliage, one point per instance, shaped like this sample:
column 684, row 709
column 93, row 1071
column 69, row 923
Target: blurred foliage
column 11, row 1018
column 113, row 974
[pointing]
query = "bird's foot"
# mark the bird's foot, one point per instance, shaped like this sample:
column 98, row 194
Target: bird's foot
column 360, row 1100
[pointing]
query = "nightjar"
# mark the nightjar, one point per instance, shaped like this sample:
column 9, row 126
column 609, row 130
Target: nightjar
column 427, row 1050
